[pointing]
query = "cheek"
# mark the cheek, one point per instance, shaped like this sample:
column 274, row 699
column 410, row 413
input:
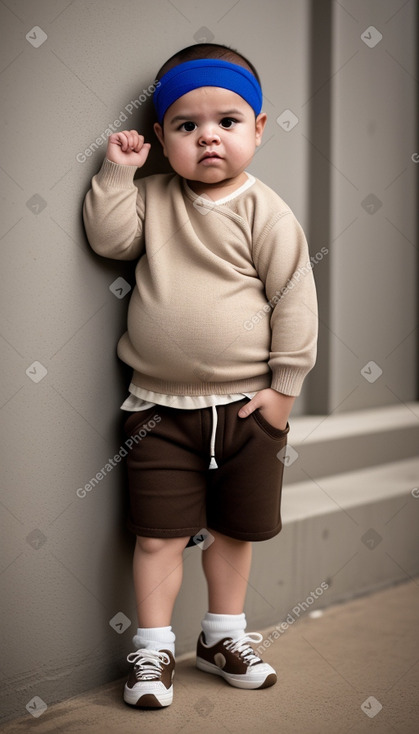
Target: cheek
column 177, row 148
column 180, row 152
column 242, row 148
column 180, row 158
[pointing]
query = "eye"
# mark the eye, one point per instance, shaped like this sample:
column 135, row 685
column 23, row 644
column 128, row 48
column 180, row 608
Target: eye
column 187, row 127
column 228, row 122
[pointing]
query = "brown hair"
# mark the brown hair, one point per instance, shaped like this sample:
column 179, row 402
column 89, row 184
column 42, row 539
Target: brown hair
column 207, row 51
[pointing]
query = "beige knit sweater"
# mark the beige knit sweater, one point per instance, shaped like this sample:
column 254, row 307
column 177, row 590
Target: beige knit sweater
column 224, row 300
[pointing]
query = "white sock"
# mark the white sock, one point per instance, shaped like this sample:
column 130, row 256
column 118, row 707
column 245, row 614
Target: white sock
column 218, row 626
column 155, row 638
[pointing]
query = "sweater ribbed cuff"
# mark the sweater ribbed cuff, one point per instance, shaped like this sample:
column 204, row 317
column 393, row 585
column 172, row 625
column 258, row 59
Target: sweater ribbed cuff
column 288, row 381
column 114, row 175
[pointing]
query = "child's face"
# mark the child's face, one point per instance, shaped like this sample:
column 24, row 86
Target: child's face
column 210, row 135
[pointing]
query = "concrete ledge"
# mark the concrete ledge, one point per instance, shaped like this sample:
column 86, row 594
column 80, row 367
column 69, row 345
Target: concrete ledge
column 352, row 489
column 355, row 531
column 346, row 442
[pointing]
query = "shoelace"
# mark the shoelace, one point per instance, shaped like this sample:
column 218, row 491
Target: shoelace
column 147, row 663
column 243, row 648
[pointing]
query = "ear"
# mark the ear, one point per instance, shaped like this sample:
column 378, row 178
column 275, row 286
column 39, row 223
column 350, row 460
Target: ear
column 160, row 136
column 260, row 126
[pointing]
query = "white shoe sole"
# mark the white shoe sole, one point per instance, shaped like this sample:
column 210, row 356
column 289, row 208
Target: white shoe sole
column 133, row 697
column 239, row 681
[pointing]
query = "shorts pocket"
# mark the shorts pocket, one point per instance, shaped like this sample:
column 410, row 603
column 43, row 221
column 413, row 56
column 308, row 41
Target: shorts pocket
column 137, row 418
column 269, row 429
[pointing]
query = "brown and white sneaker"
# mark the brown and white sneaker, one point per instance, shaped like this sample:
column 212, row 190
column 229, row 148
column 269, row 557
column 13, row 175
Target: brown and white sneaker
column 235, row 661
column 150, row 684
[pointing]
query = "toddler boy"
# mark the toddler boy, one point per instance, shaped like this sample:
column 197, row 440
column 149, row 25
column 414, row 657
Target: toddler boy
column 221, row 333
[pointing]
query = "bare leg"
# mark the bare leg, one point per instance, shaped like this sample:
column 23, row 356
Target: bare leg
column 226, row 563
column 158, row 570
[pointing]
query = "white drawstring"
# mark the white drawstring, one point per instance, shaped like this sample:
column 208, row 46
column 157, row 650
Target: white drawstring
column 213, row 464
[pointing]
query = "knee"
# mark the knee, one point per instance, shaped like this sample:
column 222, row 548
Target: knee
column 158, row 545
column 150, row 545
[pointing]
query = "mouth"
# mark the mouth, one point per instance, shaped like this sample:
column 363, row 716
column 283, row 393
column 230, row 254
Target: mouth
column 209, row 156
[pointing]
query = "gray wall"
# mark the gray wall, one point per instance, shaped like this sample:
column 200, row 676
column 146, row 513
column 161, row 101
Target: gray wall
column 374, row 206
column 65, row 561
column 363, row 203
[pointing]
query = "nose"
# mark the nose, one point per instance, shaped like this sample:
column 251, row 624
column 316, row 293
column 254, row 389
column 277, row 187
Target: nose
column 209, row 136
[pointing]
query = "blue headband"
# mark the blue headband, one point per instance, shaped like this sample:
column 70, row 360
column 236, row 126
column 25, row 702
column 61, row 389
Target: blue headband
column 206, row 73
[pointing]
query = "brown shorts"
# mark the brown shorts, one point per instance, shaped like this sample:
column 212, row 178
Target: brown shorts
column 172, row 491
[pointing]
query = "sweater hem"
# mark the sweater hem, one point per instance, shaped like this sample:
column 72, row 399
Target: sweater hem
column 252, row 384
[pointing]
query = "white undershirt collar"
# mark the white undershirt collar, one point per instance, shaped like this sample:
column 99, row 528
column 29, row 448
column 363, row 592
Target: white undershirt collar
column 247, row 184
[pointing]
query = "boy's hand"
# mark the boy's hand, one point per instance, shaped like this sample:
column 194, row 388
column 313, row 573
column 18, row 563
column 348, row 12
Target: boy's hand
column 274, row 407
column 127, row 148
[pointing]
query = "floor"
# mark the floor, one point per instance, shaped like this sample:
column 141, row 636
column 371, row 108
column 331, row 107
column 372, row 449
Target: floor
column 353, row 669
